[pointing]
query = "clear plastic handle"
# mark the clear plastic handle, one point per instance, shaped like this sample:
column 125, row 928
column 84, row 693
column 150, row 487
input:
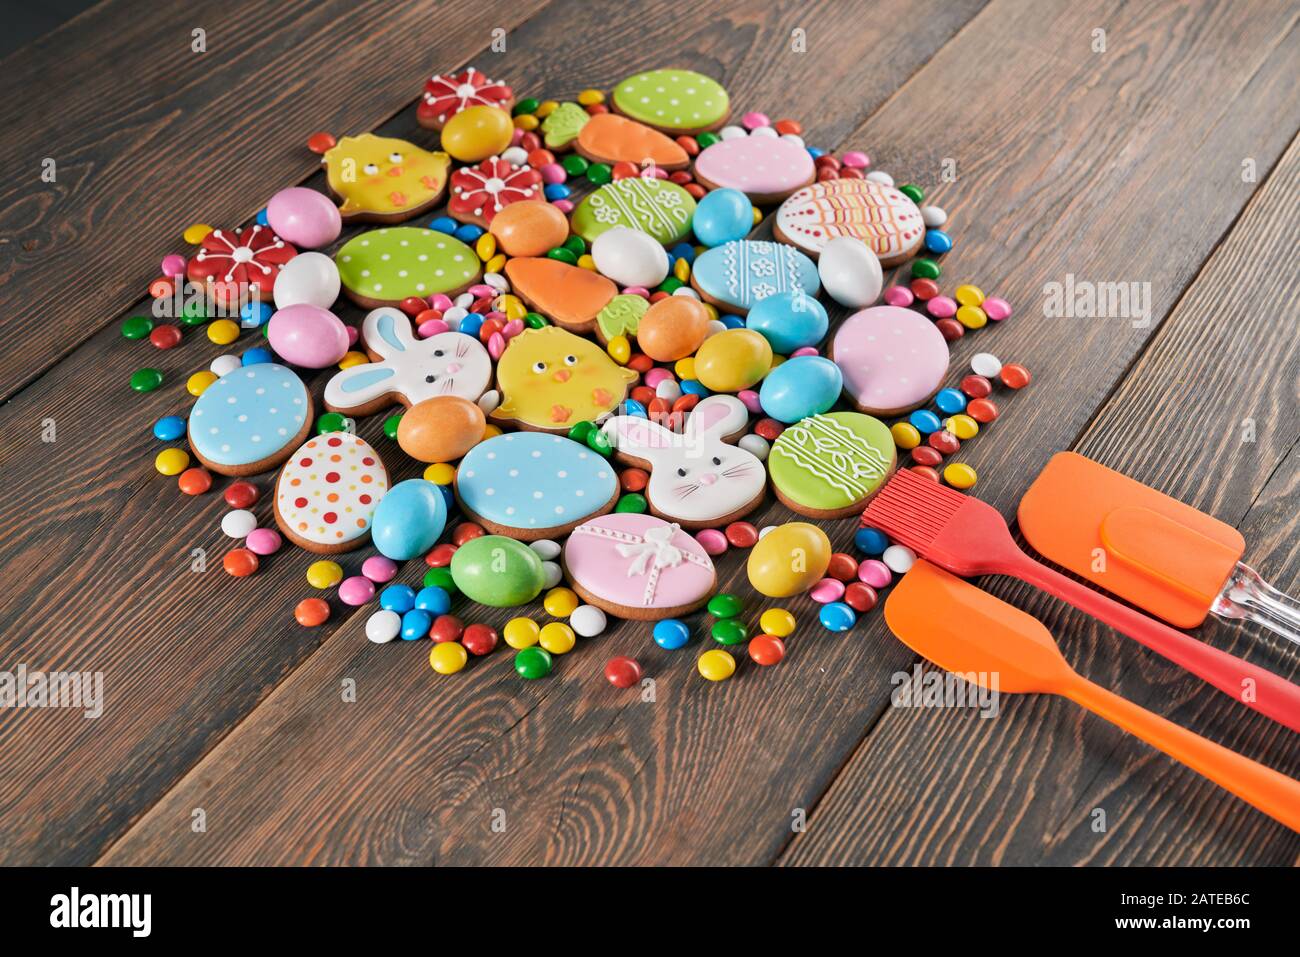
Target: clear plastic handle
column 1248, row 597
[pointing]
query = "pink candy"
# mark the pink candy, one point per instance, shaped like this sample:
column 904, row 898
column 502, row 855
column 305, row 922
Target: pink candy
column 431, row 327
column 899, row 296
column 379, row 569
column 855, row 159
column 996, row 308
column 263, row 541
column 173, row 265
column 482, row 290
column 941, row 307
column 512, row 328
column 804, row 351
column 750, row 398
column 356, row 590
column 827, row 590
column 875, row 573
column 496, row 345
column 657, row 375
column 553, row 173
column 563, row 205
column 641, row 291
column 753, row 121
column 440, row 302
column 352, row 335
column 712, row 541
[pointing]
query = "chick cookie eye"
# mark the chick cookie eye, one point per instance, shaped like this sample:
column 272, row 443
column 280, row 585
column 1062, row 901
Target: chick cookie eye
column 394, row 157
column 539, row 366
column 370, row 169
column 570, row 360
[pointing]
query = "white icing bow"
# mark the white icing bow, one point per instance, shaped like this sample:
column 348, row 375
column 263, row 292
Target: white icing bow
column 654, row 551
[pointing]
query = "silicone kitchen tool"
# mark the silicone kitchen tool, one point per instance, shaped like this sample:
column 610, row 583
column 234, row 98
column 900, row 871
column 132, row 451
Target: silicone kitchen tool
column 967, row 631
column 1149, row 549
column 969, row 538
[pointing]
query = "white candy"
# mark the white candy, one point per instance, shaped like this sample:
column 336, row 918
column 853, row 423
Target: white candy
column 764, row 131
column 516, row 155
column 755, row 445
column 732, row 132
column 489, row 400
column 546, row 549
column 714, row 327
column 587, row 621
column 899, row 558
column 850, row 272
column 239, row 523
column 307, row 277
column 552, row 574
column 880, row 176
column 986, row 364
column 686, row 291
column 766, row 528
column 453, row 316
column 630, row 257
column 223, row 365
column 496, row 281
column 795, row 138
column 383, row 626
column 669, row 390
column 933, row 216
column 464, row 301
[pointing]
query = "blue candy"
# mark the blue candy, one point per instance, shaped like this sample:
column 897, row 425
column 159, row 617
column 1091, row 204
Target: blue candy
column 408, row 519
column 256, row 356
column 937, row 241
column 789, row 321
column 468, row 232
column 554, row 191
column 398, row 598
column 800, row 387
column 254, row 314
column 732, row 322
column 721, row 216
column 683, row 251
column 694, row 387
column 950, row 401
column 671, row 634
column 433, row 599
column 416, row 625
column 169, row 429
column 837, row 616
column 471, row 324
column 633, row 407
column 445, row 224
column 870, row 541
column 925, row 421
column 261, row 217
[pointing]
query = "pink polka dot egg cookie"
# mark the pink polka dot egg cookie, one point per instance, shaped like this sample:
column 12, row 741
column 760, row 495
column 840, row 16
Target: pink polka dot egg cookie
column 327, row 492
column 892, row 359
column 764, row 166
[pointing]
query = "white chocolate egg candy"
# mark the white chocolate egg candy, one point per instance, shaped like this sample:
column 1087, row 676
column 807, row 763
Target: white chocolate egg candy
column 307, row 278
column 630, row 257
column 850, row 272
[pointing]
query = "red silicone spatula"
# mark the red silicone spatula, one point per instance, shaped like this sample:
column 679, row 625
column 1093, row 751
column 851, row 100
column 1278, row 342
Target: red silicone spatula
column 969, row 538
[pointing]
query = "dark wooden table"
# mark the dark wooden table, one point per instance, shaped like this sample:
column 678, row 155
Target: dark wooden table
column 1114, row 141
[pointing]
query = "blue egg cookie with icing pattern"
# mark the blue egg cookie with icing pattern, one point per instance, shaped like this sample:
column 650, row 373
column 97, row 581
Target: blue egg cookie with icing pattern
column 738, row 274
column 250, row 420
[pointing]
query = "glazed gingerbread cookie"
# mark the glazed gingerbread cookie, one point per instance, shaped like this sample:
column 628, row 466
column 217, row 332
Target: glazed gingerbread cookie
column 638, row 566
column 550, row 380
column 562, row 125
column 696, row 477
column 326, row 494
column 231, row 266
column 447, row 94
column 406, row 369
column 879, row 215
column 675, row 101
column 764, row 166
column 572, row 297
column 831, row 465
column 384, row 266
column 529, row 485
column 892, row 359
column 610, row 138
column 739, row 273
column 250, row 419
column 479, row 192
column 653, row 206
column 384, row 180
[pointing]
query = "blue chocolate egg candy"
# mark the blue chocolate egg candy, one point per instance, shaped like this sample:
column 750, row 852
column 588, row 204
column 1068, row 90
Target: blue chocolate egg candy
column 800, row 387
column 789, row 320
column 721, row 216
column 409, row 519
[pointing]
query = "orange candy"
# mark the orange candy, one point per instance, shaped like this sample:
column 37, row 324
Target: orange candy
column 441, row 429
column 240, row 562
column 529, row 228
column 195, row 481
column 312, row 612
column 672, row 328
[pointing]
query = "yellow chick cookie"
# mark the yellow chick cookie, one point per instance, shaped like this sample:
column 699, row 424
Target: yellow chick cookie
column 551, row 380
column 382, row 179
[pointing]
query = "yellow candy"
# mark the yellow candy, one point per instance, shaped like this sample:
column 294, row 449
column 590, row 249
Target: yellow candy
column 732, row 360
column 223, row 332
column 520, row 633
column 545, row 108
column 587, row 262
column 172, row 461
column 557, row 638
column 197, row 383
column 591, row 97
column 353, row 359
column 906, row 435
column 440, row 473
column 619, row 349
column 448, row 657
column 324, row 574
column 560, row 602
column 495, row 264
column 969, row 295
column 758, row 215
column 959, row 475
column 486, row 247
column 972, row 317
column 490, row 431
column 776, row 621
column 196, row 234
column 476, row 133
column 716, row 665
column 682, row 270
column 789, row 560
column 527, row 121
column 962, row 426
column 685, row 368
column 515, row 309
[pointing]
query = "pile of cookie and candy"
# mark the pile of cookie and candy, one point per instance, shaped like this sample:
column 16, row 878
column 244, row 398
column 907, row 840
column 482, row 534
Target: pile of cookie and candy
column 564, row 321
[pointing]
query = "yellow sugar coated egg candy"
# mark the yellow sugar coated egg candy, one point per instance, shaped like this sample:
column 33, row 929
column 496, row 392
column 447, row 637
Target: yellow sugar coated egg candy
column 223, row 332
column 476, row 133
column 172, row 461
column 972, row 317
column 440, row 473
column 196, row 234
column 685, row 368
column 448, row 657
column 491, row 431
column 196, row 384
column 324, row 574
column 732, row 360
column 520, row 633
column 560, row 602
column 545, row 108
column 969, row 295
column 789, row 560
column 591, row 97
column 716, row 665
column 777, row 621
column 496, row 263
column 527, row 122
column 619, row 349
column 557, row 638
column 486, row 247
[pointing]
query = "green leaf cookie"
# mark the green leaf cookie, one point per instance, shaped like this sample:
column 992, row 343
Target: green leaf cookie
column 563, row 125
column 621, row 316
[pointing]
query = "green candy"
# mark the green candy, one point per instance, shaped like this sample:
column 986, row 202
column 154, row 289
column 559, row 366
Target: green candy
column 137, row 327
column 729, row 631
column 527, row 106
column 576, row 245
column 497, row 571
column 563, row 254
column 633, row 502
column 440, row 577
column 581, row 430
column 575, row 164
column 707, row 139
column 535, row 320
column 600, row 173
column 598, row 442
column 331, row 422
column 146, row 379
column 533, row 662
column 724, row 606
column 925, row 269
column 390, row 425
column 912, row 192
column 671, row 285
column 562, row 127
column 621, row 316
column 656, row 207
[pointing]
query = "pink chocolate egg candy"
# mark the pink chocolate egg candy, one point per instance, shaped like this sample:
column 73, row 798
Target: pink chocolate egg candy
column 308, row 336
column 304, row 217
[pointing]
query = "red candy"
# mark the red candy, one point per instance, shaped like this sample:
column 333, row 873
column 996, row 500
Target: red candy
column 789, row 126
column 241, row 495
column 633, row 480
column 321, row 142
column 640, row 362
column 688, row 143
column 944, row 442
column 847, row 172
column 976, row 386
column 982, row 411
column 165, row 336
column 440, row 555
column 926, row 455
column 446, row 628
column 413, row 305
column 950, row 329
column 240, row 562
column 843, row 567
column 312, row 612
column 686, row 402
column 644, row 394
column 926, row 472
column 466, row 531
column 622, row 672
column 195, row 481
column 860, row 596
column 681, row 177
column 924, row 288
column 741, row 534
column 696, row 190
column 766, row 649
column 595, row 109
column 768, row 429
column 530, row 141
column 479, row 639
column 1014, row 376
column 540, row 157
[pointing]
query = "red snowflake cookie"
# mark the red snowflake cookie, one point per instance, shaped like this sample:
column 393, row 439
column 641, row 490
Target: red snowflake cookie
column 248, row 260
column 447, row 94
column 480, row 192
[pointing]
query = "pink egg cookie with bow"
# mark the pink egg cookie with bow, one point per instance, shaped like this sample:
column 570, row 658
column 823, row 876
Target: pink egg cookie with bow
column 767, row 169
column 893, row 359
column 638, row 566
column 327, row 492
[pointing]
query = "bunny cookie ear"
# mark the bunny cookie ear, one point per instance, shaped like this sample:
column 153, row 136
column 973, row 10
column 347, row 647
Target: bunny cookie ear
column 639, row 437
column 359, row 386
column 716, row 417
column 387, row 331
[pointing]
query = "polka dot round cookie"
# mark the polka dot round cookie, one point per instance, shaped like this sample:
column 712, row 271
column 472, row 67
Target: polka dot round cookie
column 653, row 206
column 326, row 494
column 879, row 215
column 676, row 101
column 830, row 465
column 892, row 359
column 384, row 266
column 249, row 420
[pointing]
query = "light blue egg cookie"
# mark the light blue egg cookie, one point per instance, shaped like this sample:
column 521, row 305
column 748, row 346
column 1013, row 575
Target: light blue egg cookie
column 743, row 272
column 257, row 413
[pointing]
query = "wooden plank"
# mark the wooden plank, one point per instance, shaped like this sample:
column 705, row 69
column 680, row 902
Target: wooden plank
column 147, row 144
column 1051, row 177
column 936, row 787
column 187, row 655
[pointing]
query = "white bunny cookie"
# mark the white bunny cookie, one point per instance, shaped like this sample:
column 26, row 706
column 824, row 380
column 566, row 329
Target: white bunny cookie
column 696, row 478
column 407, row 369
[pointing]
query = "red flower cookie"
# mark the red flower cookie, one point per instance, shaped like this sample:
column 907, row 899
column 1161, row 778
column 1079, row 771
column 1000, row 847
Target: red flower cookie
column 250, row 259
column 480, row 192
column 447, row 94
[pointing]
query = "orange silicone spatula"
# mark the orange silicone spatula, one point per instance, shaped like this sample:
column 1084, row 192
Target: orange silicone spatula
column 968, row 631
column 1148, row 548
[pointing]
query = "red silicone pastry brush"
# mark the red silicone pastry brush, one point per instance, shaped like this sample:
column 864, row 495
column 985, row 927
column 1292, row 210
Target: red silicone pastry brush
column 969, row 538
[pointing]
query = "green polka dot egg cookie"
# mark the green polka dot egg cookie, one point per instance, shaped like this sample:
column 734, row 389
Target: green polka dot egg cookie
column 654, row 206
column 384, row 266
column 829, row 466
column 675, row 101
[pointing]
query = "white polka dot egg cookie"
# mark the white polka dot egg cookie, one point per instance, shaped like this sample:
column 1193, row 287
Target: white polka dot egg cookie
column 675, row 101
column 327, row 492
column 384, row 266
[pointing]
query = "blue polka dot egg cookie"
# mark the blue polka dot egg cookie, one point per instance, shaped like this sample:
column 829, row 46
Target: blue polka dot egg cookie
column 531, row 485
column 250, row 420
column 675, row 101
column 740, row 273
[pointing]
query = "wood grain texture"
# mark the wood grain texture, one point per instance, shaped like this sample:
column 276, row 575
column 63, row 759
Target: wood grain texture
column 1029, row 782
column 100, row 547
column 1064, row 160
